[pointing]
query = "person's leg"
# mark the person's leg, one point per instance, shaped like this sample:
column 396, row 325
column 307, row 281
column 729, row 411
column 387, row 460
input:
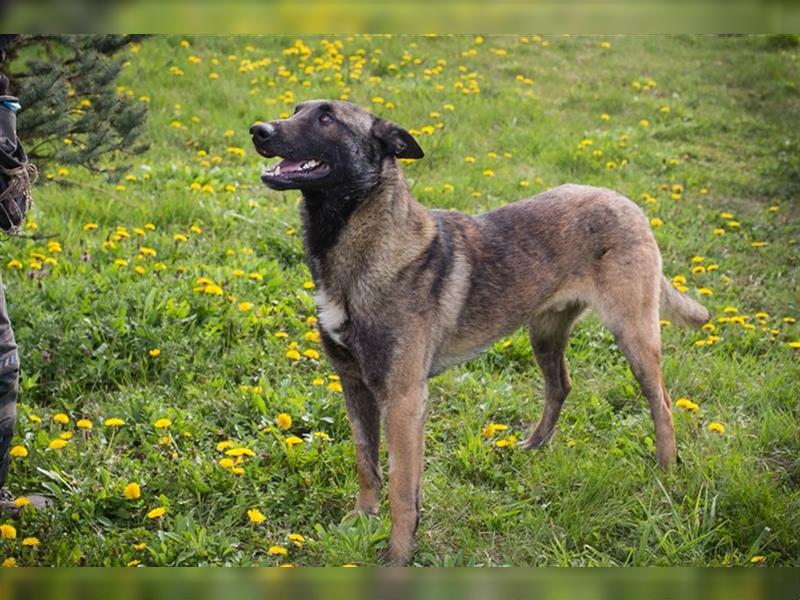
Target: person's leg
column 9, row 386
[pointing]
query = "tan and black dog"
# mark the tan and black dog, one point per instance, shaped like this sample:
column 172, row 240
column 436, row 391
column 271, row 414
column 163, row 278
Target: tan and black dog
column 404, row 292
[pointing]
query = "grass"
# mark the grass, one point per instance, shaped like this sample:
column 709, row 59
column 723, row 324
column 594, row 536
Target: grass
column 86, row 324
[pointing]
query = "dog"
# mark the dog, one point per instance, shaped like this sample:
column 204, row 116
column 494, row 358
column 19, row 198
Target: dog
column 403, row 292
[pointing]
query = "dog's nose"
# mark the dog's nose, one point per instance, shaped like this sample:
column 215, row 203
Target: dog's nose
column 261, row 132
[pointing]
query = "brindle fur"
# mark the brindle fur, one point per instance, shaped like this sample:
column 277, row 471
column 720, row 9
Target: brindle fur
column 415, row 291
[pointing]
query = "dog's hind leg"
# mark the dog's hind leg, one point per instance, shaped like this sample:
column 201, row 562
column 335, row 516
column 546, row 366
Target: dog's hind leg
column 631, row 313
column 549, row 334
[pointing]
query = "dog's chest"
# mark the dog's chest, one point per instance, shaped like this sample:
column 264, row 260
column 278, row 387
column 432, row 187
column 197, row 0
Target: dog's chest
column 331, row 314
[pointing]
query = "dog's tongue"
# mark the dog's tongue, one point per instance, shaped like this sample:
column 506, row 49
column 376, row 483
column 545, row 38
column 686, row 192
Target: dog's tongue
column 290, row 165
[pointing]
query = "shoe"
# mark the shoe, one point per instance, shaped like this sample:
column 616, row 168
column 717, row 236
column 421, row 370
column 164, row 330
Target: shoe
column 11, row 506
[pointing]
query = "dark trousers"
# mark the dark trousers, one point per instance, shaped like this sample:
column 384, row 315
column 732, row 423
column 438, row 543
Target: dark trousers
column 9, row 386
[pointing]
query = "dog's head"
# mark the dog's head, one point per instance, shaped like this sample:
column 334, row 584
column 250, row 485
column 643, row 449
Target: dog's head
column 329, row 145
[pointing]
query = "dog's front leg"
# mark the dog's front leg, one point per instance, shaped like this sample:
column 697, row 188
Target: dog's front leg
column 365, row 424
column 405, row 417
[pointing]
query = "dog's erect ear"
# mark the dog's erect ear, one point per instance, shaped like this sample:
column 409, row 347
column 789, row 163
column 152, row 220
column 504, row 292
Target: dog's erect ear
column 397, row 141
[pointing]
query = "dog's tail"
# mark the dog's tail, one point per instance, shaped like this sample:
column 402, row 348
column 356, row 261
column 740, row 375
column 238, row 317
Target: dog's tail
column 679, row 308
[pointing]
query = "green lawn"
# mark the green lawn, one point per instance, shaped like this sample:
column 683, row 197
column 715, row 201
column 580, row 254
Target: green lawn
column 701, row 131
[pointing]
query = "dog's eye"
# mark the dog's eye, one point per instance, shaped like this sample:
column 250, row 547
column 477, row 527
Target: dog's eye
column 325, row 119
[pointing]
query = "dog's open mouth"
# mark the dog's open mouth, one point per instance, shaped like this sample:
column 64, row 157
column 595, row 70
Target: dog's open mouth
column 290, row 171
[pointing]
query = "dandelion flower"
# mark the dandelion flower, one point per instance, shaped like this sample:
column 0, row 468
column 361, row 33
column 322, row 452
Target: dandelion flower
column 283, row 421
column 114, row 422
column 297, row 539
column 716, row 427
column 10, row 562
column 57, row 444
column 293, row 440
column 758, row 559
column 155, row 352
column 157, row 512
column 8, row 532
column 61, row 418
column 686, row 404
column 492, row 428
column 293, row 354
column 278, row 551
column 19, row 452
column 22, row 502
column 256, row 516
column 132, row 491
column 84, row 424
column 235, row 452
column 162, row 423
column 30, row 541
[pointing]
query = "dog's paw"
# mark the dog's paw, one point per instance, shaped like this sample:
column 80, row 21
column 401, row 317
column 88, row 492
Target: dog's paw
column 536, row 440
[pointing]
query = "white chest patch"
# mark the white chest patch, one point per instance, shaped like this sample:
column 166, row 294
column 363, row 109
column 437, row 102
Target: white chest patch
column 331, row 315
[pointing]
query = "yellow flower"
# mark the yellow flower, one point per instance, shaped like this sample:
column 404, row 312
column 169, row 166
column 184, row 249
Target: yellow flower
column 157, row 512
column 293, row 440
column 30, row 541
column 686, row 404
column 656, row 222
column 758, row 559
column 224, row 444
column 225, row 463
column 507, row 441
column 293, row 354
column 716, row 427
column 162, row 423
column 57, row 444
column 644, row 123
column 19, row 452
column 605, row 45
column 132, row 491
column 7, row 532
column 605, row 117
column 10, row 562
column 140, row 546
column 61, row 418
column 297, row 539
column 283, row 421
column 488, row 173
column 349, row 566
column 21, row 502
column 240, row 452
column 313, row 354
column 256, row 516
column 245, row 306
column 335, row 386
column 114, row 422
column 277, row 550
column 493, row 428
column 155, row 352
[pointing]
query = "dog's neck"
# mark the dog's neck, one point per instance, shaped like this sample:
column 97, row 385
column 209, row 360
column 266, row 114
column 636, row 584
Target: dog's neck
column 343, row 231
